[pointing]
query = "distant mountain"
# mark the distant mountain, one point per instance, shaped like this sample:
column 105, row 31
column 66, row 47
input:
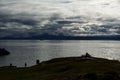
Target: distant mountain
column 63, row 37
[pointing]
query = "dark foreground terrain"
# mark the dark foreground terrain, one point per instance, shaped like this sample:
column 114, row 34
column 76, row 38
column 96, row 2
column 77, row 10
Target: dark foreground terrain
column 71, row 68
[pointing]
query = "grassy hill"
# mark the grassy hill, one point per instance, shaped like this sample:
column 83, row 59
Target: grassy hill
column 70, row 68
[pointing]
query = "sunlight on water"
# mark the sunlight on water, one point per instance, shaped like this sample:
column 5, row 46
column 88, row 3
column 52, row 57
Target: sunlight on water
column 28, row 51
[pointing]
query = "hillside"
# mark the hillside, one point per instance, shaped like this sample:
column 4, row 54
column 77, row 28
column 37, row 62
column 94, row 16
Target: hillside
column 70, row 68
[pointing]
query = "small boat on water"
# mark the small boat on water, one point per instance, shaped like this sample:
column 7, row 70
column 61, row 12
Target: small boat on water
column 4, row 52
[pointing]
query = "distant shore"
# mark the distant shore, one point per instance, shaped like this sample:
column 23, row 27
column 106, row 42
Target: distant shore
column 63, row 37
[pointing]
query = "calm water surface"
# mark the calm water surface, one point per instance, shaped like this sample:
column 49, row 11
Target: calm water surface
column 29, row 50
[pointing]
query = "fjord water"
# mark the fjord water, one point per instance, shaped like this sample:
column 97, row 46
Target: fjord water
column 29, row 50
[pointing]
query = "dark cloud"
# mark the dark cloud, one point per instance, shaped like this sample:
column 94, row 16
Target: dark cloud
column 28, row 18
column 7, row 18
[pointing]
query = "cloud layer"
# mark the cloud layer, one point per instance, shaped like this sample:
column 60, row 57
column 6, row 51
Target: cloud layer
column 27, row 18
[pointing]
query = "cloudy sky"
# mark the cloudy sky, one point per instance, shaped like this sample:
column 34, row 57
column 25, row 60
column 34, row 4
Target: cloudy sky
column 26, row 18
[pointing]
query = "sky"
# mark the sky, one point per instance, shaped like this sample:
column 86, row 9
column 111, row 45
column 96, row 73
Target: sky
column 27, row 18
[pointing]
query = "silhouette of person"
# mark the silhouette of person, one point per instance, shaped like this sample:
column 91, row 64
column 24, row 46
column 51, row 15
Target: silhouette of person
column 37, row 61
column 87, row 55
column 25, row 64
column 11, row 65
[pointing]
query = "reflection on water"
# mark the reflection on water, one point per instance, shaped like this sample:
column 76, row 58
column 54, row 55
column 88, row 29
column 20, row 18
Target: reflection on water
column 29, row 50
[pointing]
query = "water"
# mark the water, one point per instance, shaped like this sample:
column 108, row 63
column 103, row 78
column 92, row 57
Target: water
column 29, row 50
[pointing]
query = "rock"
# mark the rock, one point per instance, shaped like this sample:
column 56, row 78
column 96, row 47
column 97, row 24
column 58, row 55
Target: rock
column 4, row 52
